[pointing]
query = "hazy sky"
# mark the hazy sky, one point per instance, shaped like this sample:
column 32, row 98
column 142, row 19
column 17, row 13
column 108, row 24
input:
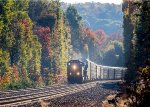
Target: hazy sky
column 101, row 1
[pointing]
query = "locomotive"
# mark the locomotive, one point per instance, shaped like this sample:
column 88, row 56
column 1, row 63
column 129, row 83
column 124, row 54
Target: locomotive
column 75, row 71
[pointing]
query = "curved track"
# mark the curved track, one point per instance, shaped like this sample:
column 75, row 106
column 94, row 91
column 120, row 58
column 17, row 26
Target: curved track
column 23, row 97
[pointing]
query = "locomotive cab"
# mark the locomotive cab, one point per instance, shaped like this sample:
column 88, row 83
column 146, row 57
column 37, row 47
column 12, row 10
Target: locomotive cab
column 75, row 71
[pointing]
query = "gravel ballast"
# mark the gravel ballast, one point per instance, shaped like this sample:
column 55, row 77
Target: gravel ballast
column 88, row 98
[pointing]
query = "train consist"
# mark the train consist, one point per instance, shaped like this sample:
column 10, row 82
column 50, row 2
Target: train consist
column 78, row 72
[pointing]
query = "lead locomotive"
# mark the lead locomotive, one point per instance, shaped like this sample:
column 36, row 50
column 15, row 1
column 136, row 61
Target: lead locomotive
column 76, row 70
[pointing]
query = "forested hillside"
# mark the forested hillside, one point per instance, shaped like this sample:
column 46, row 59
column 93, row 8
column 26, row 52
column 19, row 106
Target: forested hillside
column 100, row 29
column 107, row 17
column 94, row 45
column 37, row 38
column 33, row 43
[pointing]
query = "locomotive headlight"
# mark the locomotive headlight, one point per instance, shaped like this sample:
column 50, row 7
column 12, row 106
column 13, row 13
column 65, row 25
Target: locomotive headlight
column 74, row 67
column 68, row 63
column 78, row 73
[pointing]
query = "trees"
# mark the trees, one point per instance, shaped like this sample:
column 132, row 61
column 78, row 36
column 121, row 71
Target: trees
column 51, row 29
column 74, row 21
column 103, row 48
column 100, row 16
column 46, row 52
column 32, row 52
column 135, row 35
column 128, row 37
column 18, row 41
column 136, row 15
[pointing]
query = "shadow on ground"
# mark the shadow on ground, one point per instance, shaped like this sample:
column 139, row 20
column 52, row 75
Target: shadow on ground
column 112, row 86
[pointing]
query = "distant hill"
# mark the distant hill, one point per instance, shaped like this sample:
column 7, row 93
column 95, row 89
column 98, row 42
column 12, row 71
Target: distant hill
column 108, row 17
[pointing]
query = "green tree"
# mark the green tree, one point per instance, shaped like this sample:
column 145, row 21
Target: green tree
column 74, row 20
column 138, row 14
column 18, row 40
column 55, row 41
column 128, row 36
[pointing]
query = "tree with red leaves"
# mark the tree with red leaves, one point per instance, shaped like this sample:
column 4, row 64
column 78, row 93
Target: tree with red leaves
column 45, row 39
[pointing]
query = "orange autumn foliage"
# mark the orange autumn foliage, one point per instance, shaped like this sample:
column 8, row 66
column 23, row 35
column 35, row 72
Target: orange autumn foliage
column 15, row 73
column 99, row 36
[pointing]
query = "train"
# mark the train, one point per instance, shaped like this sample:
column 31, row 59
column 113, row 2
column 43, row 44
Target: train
column 75, row 71
column 79, row 72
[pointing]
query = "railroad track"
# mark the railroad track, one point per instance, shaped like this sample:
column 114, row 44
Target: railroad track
column 23, row 97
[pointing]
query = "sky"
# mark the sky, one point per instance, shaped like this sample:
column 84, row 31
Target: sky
column 101, row 1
